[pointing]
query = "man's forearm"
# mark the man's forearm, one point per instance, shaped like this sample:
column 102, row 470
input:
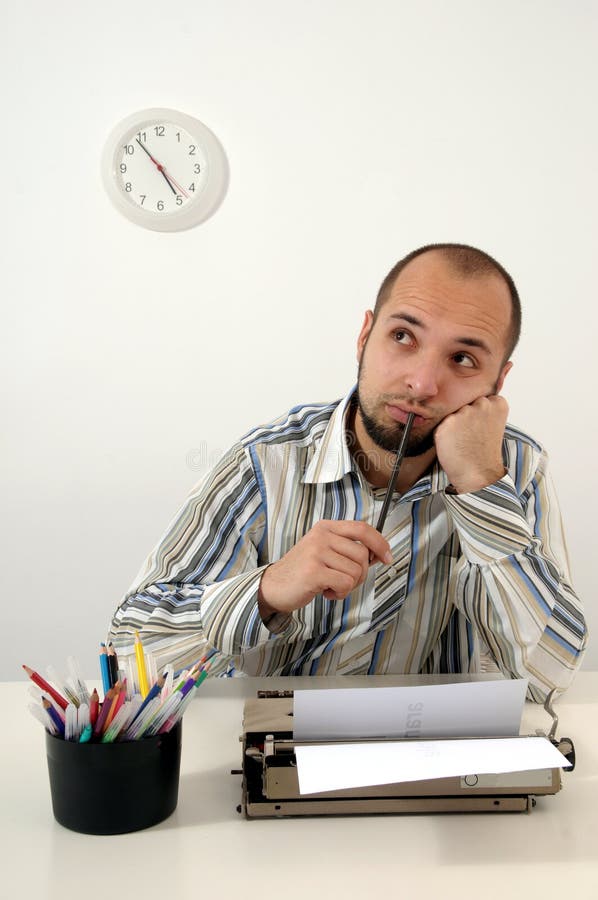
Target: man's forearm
column 512, row 589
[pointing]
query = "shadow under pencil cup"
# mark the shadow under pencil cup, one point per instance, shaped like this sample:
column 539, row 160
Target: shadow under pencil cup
column 116, row 787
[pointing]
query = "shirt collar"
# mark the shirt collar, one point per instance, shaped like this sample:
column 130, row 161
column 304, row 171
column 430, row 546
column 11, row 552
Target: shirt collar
column 332, row 458
column 432, row 482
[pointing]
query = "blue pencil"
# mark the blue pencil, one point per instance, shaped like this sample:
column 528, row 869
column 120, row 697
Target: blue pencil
column 105, row 670
column 153, row 692
column 54, row 716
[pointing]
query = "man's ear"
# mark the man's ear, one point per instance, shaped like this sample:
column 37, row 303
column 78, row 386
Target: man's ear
column 368, row 321
column 503, row 374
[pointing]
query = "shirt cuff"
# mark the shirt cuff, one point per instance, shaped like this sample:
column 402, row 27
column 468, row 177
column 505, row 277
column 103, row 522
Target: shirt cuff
column 230, row 616
column 491, row 522
column 278, row 622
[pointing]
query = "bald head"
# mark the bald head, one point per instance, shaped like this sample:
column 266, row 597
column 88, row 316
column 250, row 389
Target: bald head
column 464, row 262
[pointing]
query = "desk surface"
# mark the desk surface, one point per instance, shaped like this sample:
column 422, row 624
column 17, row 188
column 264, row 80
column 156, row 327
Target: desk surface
column 206, row 846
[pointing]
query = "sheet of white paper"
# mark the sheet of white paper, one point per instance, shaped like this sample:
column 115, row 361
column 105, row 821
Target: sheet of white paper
column 335, row 766
column 469, row 709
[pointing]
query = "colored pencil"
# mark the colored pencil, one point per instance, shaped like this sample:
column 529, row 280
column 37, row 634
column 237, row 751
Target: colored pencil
column 112, row 664
column 42, row 716
column 105, row 669
column 99, row 725
column 94, row 707
column 117, row 702
column 54, row 716
column 141, row 671
column 153, row 692
column 43, row 684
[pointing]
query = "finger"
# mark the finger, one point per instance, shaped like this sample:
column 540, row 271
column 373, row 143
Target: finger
column 366, row 534
column 353, row 550
column 342, row 564
column 492, row 406
column 361, row 555
column 339, row 585
column 332, row 595
column 500, row 403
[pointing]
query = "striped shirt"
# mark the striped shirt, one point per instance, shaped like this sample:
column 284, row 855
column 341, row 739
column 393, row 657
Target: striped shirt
column 475, row 577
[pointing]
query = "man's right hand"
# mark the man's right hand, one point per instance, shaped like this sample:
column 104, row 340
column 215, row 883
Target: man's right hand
column 332, row 559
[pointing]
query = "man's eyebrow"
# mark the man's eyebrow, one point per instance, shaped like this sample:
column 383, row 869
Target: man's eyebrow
column 407, row 317
column 467, row 341
column 474, row 342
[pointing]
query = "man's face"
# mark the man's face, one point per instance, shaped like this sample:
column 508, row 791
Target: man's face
column 438, row 343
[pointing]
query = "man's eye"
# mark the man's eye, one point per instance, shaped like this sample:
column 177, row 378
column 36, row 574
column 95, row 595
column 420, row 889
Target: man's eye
column 402, row 337
column 463, row 359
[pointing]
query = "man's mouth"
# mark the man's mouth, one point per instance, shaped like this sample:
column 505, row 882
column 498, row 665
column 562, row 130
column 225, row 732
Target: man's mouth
column 400, row 414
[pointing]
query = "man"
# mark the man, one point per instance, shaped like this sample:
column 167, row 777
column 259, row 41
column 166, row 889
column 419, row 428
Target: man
column 274, row 559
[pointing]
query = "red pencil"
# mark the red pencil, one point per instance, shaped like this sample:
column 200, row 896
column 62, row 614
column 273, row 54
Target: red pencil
column 94, row 704
column 43, row 684
column 99, row 725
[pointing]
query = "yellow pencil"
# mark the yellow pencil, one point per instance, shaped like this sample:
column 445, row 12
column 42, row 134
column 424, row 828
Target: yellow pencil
column 141, row 672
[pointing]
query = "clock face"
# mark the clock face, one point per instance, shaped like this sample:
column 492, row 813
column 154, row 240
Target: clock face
column 162, row 167
column 164, row 170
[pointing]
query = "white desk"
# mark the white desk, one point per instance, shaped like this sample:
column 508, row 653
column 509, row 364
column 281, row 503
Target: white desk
column 206, row 846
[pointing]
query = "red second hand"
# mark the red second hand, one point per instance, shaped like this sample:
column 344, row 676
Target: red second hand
column 161, row 169
column 169, row 176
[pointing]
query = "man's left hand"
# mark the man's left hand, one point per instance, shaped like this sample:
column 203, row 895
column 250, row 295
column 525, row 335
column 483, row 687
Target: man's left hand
column 469, row 443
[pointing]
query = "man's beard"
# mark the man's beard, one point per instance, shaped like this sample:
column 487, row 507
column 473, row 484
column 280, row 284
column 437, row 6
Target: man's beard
column 389, row 437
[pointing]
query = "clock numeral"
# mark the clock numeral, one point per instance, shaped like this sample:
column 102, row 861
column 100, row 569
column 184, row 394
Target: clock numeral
column 137, row 165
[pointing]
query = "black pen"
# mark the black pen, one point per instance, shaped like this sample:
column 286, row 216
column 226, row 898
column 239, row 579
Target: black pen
column 112, row 664
column 395, row 471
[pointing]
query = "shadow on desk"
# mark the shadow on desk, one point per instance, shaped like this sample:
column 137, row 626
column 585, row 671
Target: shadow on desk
column 206, row 798
column 551, row 834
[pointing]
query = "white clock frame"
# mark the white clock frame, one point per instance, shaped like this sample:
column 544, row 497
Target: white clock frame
column 200, row 206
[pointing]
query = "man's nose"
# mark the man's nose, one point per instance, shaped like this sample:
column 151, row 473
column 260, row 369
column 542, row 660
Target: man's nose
column 423, row 378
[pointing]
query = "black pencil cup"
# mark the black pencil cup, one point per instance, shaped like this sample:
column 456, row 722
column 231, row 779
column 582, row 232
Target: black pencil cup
column 117, row 787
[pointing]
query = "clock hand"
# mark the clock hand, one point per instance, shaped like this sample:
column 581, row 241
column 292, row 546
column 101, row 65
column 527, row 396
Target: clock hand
column 177, row 185
column 158, row 166
column 168, row 178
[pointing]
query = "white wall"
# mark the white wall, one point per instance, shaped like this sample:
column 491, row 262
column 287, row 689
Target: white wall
column 355, row 131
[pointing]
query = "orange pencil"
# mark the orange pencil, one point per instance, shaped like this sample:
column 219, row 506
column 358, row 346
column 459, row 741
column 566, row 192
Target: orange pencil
column 117, row 701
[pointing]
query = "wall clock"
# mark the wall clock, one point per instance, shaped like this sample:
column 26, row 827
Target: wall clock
column 164, row 170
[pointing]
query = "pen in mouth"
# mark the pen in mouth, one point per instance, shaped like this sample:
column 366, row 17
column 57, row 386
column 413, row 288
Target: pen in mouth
column 401, row 415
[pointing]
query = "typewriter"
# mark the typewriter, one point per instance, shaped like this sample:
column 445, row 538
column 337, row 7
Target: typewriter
column 271, row 785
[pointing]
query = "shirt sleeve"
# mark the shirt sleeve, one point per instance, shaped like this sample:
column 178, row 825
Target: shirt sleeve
column 198, row 589
column 513, row 581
